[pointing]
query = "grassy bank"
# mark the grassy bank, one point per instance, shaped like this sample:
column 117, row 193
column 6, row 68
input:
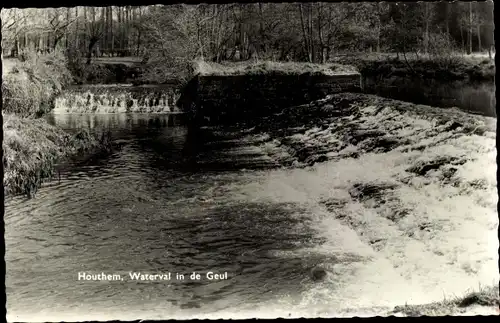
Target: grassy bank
column 486, row 301
column 453, row 67
column 30, row 86
column 268, row 67
column 31, row 147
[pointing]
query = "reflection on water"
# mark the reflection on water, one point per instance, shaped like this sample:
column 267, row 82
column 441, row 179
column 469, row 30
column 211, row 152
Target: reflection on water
column 476, row 98
column 115, row 120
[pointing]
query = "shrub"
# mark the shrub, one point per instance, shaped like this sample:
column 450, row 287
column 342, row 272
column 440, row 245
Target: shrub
column 31, row 148
column 88, row 73
column 30, row 87
column 442, row 50
column 162, row 71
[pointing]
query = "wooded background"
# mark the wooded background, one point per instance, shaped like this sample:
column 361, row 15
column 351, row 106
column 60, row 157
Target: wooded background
column 312, row 32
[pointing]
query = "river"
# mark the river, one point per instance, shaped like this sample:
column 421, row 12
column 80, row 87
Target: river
column 167, row 200
column 474, row 97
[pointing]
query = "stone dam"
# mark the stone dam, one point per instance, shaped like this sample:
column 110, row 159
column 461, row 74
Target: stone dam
column 230, row 98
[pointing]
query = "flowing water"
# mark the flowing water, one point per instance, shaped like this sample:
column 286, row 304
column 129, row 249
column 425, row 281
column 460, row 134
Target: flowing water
column 169, row 199
column 152, row 207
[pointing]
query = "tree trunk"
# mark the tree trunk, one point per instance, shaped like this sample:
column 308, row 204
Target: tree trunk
column 26, row 41
column 447, row 21
column 111, row 25
column 77, row 45
column 57, row 38
column 218, row 39
column 311, row 36
column 304, row 34
column 138, row 42
column 16, row 48
column 213, row 33
column 462, row 39
column 44, row 38
column 120, row 29
column 469, row 51
column 68, row 17
column 127, row 30
column 426, row 34
column 92, row 42
column 261, row 29
column 479, row 47
column 85, row 25
column 200, row 46
column 103, row 26
column 320, row 35
column 378, row 27
column 133, row 13
column 106, row 43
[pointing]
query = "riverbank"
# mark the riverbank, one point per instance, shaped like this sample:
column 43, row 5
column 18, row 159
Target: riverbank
column 205, row 68
column 454, row 67
column 32, row 147
column 29, row 87
column 485, row 301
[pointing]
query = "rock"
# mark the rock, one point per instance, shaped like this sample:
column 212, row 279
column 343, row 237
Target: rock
column 318, row 273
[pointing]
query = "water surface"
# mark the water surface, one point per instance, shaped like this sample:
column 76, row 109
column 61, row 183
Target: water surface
column 473, row 97
column 170, row 198
column 161, row 202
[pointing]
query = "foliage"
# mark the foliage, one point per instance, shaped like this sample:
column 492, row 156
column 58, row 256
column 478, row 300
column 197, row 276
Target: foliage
column 265, row 67
column 31, row 147
column 484, row 297
column 34, row 82
column 170, row 37
column 442, row 50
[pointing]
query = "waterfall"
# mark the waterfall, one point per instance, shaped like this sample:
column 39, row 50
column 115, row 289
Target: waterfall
column 116, row 100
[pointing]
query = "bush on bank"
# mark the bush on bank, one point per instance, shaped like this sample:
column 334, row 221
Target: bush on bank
column 32, row 147
column 101, row 72
column 270, row 67
column 445, row 68
column 32, row 84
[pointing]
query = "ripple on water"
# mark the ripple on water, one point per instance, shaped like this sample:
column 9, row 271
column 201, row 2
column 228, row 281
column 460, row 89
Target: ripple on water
column 112, row 223
column 160, row 204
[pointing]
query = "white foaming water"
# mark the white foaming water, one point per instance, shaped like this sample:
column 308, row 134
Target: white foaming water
column 113, row 102
column 445, row 246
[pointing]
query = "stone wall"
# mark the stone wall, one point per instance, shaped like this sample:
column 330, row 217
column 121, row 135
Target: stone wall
column 228, row 99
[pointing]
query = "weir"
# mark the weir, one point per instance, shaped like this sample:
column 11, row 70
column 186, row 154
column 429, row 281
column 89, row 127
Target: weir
column 228, row 98
column 117, row 99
